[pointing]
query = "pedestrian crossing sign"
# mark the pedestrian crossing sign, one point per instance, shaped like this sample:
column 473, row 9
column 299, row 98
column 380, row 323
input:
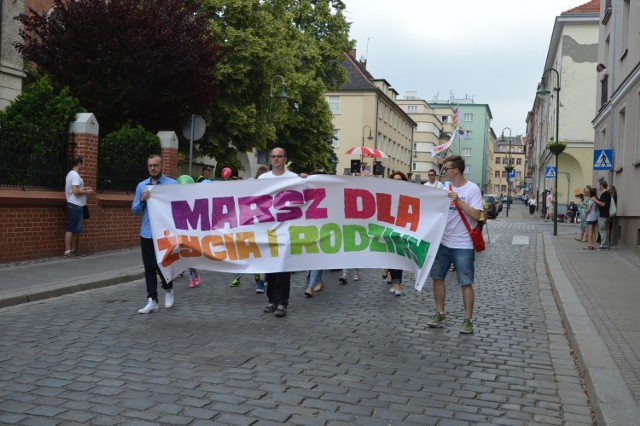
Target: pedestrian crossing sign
column 550, row 173
column 602, row 159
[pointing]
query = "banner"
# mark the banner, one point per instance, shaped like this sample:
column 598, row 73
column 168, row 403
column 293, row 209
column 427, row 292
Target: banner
column 296, row 224
column 439, row 150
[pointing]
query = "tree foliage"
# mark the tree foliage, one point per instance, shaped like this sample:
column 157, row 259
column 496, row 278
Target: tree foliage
column 302, row 41
column 149, row 62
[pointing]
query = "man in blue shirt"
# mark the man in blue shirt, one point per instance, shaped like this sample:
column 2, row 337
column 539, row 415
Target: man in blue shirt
column 139, row 206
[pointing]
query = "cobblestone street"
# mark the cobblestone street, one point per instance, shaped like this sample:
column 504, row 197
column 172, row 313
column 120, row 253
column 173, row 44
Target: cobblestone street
column 351, row 354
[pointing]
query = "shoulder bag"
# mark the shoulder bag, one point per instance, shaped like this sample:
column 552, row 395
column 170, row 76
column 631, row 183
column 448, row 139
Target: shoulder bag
column 475, row 234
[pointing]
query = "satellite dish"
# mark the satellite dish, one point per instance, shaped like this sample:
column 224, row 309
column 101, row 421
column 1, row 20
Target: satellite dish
column 199, row 126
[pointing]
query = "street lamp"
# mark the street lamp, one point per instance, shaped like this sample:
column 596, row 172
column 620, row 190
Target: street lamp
column 282, row 96
column 508, row 168
column 543, row 91
column 370, row 137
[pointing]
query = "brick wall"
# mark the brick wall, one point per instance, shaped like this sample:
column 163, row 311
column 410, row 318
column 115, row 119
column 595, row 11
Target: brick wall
column 32, row 223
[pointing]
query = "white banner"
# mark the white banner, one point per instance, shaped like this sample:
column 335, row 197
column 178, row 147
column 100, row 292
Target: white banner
column 436, row 151
column 296, row 224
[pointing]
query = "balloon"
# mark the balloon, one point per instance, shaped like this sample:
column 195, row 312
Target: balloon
column 185, row 179
column 226, row 172
column 205, row 180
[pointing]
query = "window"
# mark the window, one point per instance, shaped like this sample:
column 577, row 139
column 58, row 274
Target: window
column 335, row 141
column 518, row 161
column 412, row 109
column 626, row 11
column 466, row 152
column 445, row 118
column 468, row 117
column 467, row 168
column 519, row 149
column 496, row 188
column 619, row 143
column 497, row 173
column 497, row 160
column 504, row 174
column 503, row 148
column 334, row 104
column 503, row 188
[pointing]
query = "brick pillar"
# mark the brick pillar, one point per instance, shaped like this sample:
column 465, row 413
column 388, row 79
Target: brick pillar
column 84, row 133
column 169, row 151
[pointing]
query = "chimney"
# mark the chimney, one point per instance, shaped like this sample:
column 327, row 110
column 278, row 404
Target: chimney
column 352, row 53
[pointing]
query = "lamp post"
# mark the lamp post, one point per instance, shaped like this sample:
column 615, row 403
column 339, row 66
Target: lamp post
column 543, row 91
column 369, row 138
column 282, row 96
column 508, row 168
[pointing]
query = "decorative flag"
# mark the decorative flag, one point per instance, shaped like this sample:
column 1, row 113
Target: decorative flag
column 440, row 150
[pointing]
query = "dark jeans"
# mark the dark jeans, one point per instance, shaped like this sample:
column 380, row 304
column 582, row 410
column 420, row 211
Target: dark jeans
column 151, row 269
column 278, row 288
column 396, row 276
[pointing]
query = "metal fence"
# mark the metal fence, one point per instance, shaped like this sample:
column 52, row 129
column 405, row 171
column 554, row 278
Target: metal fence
column 121, row 171
column 30, row 161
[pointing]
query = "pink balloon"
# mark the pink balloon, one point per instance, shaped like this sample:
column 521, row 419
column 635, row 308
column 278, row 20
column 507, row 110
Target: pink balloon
column 226, row 172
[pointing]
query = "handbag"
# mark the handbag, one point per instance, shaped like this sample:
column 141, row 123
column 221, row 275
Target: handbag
column 475, row 234
column 86, row 214
column 612, row 208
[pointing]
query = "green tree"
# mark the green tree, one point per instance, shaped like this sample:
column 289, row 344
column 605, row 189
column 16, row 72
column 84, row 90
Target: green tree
column 149, row 62
column 302, row 41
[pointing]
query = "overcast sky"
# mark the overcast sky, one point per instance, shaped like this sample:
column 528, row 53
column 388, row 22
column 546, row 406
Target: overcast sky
column 492, row 50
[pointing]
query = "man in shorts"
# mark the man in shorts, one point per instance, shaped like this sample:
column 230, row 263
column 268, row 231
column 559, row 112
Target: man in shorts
column 456, row 246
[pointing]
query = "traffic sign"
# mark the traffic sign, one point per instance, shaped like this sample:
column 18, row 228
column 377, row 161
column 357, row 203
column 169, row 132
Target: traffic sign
column 550, row 172
column 511, row 174
column 602, row 159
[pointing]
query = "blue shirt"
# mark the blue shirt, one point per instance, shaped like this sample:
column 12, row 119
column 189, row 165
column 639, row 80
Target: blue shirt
column 140, row 207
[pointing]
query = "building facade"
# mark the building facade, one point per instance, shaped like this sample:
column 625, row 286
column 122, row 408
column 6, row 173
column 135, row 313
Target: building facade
column 616, row 122
column 565, row 104
column 472, row 143
column 11, row 64
column 433, row 128
column 509, row 151
column 365, row 113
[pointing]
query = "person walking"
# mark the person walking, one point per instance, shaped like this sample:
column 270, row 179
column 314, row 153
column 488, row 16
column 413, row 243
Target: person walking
column 432, row 182
column 279, row 286
column 139, row 207
column 76, row 194
column 456, row 246
column 396, row 274
column 591, row 218
column 533, row 203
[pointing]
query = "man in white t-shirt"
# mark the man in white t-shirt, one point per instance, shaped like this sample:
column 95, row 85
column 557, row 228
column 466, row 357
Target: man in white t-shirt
column 76, row 200
column 432, row 182
column 456, row 246
column 279, row 283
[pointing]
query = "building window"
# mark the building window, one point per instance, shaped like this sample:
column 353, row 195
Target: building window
column 519, row 174
column 334, row 104
column 518, row 161
column 467, row 169
column 466, row 152
column 519, row 149
column 504, row 174
column 503, row 188
column 335, row 141
column 467, row 116
column 503, row 148
column 445, row 119
column 496, row 188
column 412, row 109
column 497, row 173
column 497, row 160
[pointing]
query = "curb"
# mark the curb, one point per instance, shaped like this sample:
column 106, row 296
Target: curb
column 69, row 287
column 612, row 400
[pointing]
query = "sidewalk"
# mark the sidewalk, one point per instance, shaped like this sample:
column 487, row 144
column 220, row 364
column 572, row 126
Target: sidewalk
column 597, row 292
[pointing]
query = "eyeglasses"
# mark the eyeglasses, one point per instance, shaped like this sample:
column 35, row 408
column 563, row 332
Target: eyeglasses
column 444, row 169
column 277, row 156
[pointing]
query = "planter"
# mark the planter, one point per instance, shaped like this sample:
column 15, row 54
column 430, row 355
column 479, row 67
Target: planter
column 556, row 148
column 508, row 168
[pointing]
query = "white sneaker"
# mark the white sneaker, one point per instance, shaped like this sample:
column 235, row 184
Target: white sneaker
column 168, row 299
column 152, row 306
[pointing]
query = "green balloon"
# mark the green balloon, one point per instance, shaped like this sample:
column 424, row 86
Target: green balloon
column 185, row 179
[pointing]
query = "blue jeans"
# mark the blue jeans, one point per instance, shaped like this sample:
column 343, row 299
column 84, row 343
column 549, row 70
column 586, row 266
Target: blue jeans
column 314, row 278
column 462, row 259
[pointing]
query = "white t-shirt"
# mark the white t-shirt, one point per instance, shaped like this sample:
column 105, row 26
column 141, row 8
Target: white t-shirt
column 73, row 178
column 270, row 175
column 455, row 233
column 436, row 184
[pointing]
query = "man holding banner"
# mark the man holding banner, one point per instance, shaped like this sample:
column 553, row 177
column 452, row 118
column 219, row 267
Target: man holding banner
column 456, row 246
column 139, row 207
column 278, row 283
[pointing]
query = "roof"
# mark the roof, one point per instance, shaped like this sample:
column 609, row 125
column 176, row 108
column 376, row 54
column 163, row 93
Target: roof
column 359, row 77
column 591, row 7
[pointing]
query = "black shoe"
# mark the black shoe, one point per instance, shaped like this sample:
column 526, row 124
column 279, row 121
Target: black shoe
column 270, row 308
column 281, row 311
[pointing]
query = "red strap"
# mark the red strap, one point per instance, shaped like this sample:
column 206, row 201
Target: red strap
column 464, row 219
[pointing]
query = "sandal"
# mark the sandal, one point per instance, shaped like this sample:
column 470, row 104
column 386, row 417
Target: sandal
column 577, row 239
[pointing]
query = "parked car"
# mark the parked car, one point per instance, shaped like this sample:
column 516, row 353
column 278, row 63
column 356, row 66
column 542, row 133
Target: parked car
column 498, row 201
column 492, row 206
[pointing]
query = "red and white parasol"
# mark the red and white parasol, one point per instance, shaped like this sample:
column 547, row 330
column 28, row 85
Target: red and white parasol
column 363, row 151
